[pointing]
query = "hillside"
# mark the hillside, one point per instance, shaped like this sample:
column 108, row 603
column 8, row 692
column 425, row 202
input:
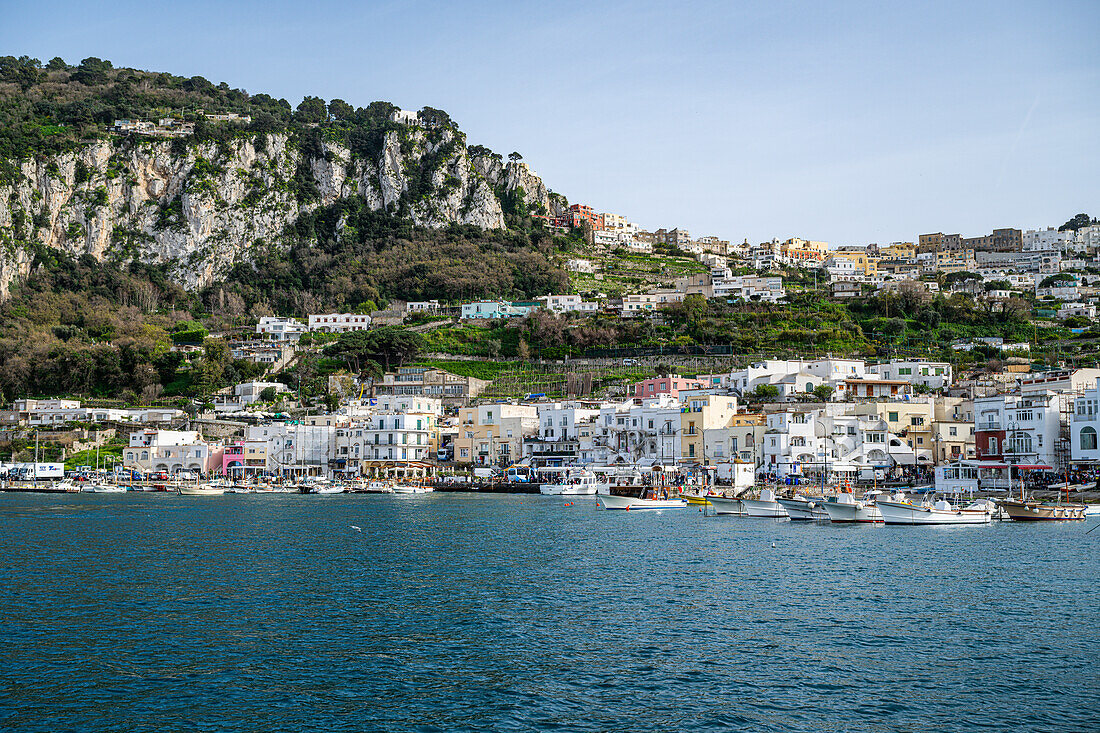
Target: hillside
column 341, row 204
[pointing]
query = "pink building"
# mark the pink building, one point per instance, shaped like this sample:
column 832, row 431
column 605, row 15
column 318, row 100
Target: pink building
column 665, row 385
column 233, row 459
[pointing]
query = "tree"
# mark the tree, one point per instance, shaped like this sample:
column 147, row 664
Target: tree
column 764, row 393
column 92, row 71
column 387, row 346
column 311, row 110
column 1078, row 222
column 1060, row 277
column 338, row 109
column 56, row 64
column 268, row 394
column 514, row 157
column 823, row 392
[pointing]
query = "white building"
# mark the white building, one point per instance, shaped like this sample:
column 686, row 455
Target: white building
column 295, row 448
column 1084, row 426
column 931, row 374
column 171, row 451
column 280, row 329
column 568, row 304
column 339, row 322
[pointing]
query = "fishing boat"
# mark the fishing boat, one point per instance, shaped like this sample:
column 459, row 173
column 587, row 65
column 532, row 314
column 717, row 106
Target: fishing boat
column 379, row 487
column 575, row 482
column 327, row 488
column 804, row 509
column 938, row 512
column 764, row 505
column 845, row 508
column 199, row 490
column 727, row 505
column 632, row 503
column 1021, row 510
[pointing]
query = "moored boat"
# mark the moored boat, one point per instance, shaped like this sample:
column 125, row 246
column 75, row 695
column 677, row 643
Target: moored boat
column 939, row 512
column 727, row 505
column 200, row 490
column 412, row 489
column 1040, row 511
column 804, row 509
column 845, row 508
column 764, row 505
column 631, row 503
column 575, row 482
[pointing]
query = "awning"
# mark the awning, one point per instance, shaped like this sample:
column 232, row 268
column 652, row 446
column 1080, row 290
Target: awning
column 1032, row 466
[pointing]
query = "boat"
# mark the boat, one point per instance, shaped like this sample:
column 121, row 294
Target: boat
column 938, row 512
column 1020, row 510
column 104, row 488
column 802, row 508
column 1091, row 510
column 379, row 487
column 412, row 489
column 764, row 505
column 727, row 505
column 575, row 482
column 200, row 490
column 632, row 503
column 67, row 485
column 845, row 508
column 327, row 489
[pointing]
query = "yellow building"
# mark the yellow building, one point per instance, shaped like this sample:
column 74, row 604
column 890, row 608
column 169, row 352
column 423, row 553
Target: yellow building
column 958, row 260
column 803, row 250
column 493, row 434
column 910, row 421
column 863, row 263
column 899, row 251
column 704, row 422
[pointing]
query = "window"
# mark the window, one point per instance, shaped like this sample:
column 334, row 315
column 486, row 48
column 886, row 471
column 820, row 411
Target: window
column 992, row 445
column 892, row 417
column 952, row 431
column 1088, row 438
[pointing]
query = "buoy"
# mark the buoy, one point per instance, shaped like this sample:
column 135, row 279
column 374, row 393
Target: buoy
column 773, row 544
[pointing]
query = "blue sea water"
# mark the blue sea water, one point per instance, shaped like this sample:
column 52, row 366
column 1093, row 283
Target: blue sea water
column 447, row 612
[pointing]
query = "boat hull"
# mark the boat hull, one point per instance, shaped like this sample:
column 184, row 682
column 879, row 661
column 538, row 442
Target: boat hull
column 199, row 491
column 764, row 508
column 856, row 513
column 804, row 510
column 895, row 512
column 412, row 489
column 567, row 490
column 630, row 503
column 1035, row 511
column 727, row 506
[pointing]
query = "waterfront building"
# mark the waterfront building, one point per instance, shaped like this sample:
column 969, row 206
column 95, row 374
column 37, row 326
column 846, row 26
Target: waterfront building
column 339, row 322
column 493, row 434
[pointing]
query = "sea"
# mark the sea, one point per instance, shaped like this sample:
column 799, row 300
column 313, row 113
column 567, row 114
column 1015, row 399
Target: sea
column 470, row 612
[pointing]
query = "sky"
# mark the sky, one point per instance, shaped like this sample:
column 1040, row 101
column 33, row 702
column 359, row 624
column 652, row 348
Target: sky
column 848, row 122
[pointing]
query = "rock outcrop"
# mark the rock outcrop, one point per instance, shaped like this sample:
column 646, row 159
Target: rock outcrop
column 205, row 207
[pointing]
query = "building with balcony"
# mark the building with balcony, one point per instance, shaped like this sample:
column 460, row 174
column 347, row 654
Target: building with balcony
column 1084, row 426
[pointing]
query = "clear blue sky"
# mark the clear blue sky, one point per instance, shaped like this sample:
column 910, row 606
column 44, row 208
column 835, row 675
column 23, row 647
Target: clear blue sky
column 851, row 122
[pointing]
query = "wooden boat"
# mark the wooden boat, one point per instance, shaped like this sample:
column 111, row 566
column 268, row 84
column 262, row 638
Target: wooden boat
column 1039, row 511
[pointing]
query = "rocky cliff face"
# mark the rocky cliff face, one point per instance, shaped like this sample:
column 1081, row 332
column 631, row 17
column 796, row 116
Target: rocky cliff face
column 201, row 211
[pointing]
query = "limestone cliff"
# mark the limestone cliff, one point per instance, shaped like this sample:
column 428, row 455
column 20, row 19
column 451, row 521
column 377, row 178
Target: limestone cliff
column 200, row 208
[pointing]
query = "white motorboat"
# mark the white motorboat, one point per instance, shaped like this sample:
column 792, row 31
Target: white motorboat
column 727, row 505
column 200, row 490
column 576, row 482
column 764, row 505
column 379, row 487
column 412, row 489
column 1092, row 510
column 104, row 489
column 608, row 501
column 802, row 508
column 846, row 508
column 66, row 485
column 327, row 489
column 939, row 512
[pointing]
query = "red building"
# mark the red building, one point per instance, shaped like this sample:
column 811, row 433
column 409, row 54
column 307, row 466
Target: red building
column 579, row 213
